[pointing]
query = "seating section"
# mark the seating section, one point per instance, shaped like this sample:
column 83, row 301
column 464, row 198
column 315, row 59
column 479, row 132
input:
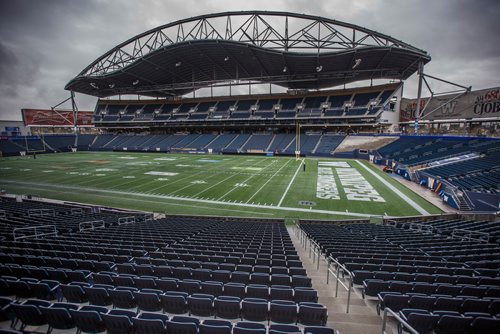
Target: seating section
column 9, row 148
column 481, row 174
column 226, row 142
column 65, row 218
column 169, row 275
column 475, row 165
column 416, row 150
column 362, row 104
column 60, row 143
column 434, row 278
column 328, row 144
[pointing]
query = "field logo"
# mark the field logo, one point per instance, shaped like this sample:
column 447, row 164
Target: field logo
column 326, row 187
column 356, row 187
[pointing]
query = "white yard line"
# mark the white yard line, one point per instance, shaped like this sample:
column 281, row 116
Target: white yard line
column 395, row 190
column 224, row 180
column 272, row 176
column 290, row 183
column 44, row 186
column 244, row 181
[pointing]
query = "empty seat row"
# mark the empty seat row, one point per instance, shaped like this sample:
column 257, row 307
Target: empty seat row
column 397, row 302
column 200, row 260
column 435, row 268
column 83, row 292
column 90, row 265
column 262, row 274
column 444, row 322
column 372, row 287
column 361, row 275
column 96, row 319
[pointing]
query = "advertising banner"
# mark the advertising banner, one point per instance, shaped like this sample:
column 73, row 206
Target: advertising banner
column 483, row 103
column 58, row 118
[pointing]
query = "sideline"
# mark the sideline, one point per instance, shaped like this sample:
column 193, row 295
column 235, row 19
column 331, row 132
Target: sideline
column 395, row 190
column 188, row 199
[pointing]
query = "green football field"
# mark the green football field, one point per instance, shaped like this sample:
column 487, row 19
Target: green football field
column 250, row 186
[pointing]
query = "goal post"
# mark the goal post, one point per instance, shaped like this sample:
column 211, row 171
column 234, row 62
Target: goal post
column 297, row 141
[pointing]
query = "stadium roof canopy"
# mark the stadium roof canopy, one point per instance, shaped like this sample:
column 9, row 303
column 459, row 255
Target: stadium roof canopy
column 292, row 50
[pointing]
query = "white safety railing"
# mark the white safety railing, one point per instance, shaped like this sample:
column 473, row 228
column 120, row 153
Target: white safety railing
column 334, row 270
column 333, row 266
column 76, row 211
column 423, row 228
column 126, row 220
column 400, row 320
column 470, row 235
column 41, row 213
column 91, row 225
column 34, row 232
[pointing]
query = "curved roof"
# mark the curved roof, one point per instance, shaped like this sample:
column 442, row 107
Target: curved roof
column 291, row 50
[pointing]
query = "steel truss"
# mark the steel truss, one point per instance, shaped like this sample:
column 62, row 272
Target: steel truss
column 279, row 31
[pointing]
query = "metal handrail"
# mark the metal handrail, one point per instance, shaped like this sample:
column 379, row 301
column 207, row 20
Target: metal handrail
column 93, row 225
column 3, row 214
column 36, row 230
column 424, row 228
column 126, row 220
column 391, row 222
column 316, row 254
column 469, row 235
column 41, row 212
column 76, row 210
column 399, row 319
column 336, row 274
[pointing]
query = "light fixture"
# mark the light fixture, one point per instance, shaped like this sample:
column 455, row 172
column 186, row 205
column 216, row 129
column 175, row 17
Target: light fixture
column 93, row 85
column 356, row 63
column 285, row 69
column 319, row 68
column 179, row 63
column 226, row 58
column 112, row 86
column 135, row 82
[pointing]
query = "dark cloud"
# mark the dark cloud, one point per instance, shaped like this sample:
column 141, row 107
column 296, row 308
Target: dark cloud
column 43, row 44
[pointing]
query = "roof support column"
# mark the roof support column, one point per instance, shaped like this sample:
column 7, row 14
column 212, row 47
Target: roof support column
column 419, row 95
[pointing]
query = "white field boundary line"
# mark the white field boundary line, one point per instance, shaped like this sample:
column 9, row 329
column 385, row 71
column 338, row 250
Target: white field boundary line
column 170, row 203
column 290, row 183
column 272, row 176
column 395, row 190
column 187, row 199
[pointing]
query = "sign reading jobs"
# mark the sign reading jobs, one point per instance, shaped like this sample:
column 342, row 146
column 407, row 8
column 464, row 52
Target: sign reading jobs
column 355, row 186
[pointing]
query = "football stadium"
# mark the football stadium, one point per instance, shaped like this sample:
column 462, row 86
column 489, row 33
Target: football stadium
column 311, row 197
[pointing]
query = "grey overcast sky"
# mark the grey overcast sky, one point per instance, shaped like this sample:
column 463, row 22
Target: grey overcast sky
column 44, row 43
